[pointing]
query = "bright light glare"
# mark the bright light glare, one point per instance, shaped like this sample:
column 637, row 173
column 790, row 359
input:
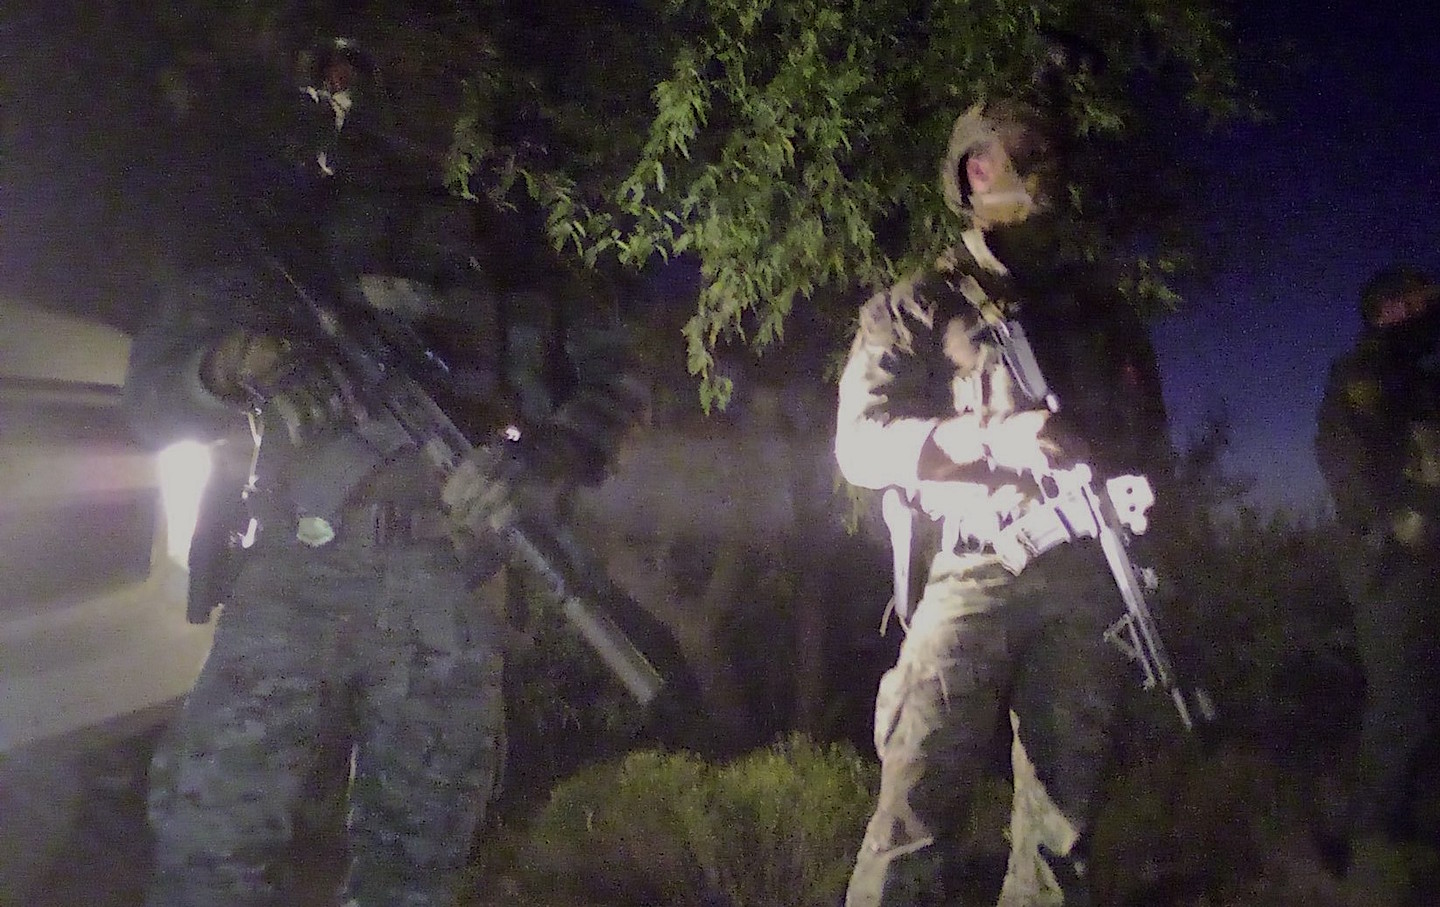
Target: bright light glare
column 183, row 469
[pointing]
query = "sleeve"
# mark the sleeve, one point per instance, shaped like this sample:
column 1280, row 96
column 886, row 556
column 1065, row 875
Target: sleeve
column 599, row 396
column 894, row 391
column 164, row 397
column 1138, row 423
column 1096, row 355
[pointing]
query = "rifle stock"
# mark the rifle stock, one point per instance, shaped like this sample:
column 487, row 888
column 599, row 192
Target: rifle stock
column 1136, row 634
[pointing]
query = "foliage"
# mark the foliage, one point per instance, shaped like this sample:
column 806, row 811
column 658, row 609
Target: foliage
column 793, row 147
column 776, row 827
column 1253, row 603
column 802, row 808
column 789, row 149
column 430, row 60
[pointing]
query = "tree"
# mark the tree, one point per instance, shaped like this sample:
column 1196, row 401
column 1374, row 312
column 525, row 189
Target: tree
column 792, row 147
column 788, row 149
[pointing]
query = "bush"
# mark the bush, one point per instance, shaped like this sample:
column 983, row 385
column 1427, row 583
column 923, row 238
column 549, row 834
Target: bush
column 788, row 820
column 777, row 827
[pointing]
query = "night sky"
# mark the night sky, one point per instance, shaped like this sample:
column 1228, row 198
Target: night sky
column 1297, row 211
column 1343, row 180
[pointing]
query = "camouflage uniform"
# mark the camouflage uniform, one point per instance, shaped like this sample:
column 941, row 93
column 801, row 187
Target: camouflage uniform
column 363, row 668
column 374, row 642
column 373, row 645
column 984, row 641
column 382, row 648
column 1378, row 446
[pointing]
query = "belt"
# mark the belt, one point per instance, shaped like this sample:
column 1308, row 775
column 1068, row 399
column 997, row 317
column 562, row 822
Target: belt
column 388, row 524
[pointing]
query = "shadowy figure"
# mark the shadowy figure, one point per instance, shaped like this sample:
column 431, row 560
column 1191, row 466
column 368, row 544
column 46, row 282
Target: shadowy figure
column 1378, row 446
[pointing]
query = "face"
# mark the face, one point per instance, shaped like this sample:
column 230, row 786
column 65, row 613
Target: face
column 1000, row 192
column 1010, row 173
column 1404, row 307
column 338, row 75
column 983, row 166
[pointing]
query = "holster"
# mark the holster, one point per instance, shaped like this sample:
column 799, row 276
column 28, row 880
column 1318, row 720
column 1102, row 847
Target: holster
column 216, row 555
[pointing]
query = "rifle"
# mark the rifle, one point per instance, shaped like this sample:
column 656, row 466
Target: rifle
column 1115, row 513
column 378, row 363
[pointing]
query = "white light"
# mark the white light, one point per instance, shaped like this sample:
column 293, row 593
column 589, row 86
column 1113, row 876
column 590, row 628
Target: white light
column 183, row 469
column 512, row 433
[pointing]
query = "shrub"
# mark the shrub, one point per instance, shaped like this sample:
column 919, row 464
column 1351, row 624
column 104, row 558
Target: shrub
column 787, row 821
column 777, row 827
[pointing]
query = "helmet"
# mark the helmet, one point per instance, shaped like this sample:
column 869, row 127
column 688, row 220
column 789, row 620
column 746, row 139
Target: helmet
column 1390, row 283
column 972, row 131
column 337, row 65
column 1026, row 137
column 1032, row 125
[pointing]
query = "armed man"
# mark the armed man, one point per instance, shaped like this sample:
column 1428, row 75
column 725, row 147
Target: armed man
column 1378, row 446
column 350, row 618
column 936, row 408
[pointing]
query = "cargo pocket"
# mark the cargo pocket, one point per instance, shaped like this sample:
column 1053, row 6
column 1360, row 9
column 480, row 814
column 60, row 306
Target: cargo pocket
column 928, row 690
column 913, row 699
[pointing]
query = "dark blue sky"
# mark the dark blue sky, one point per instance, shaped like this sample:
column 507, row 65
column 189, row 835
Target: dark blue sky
column 1343, row 180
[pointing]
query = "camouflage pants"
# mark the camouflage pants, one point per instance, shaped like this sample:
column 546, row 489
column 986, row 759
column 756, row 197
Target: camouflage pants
column 1397, row 632
column 983, row 642
column 384, row 650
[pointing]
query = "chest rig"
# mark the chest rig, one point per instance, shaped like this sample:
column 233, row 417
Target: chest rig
column 1000, row 377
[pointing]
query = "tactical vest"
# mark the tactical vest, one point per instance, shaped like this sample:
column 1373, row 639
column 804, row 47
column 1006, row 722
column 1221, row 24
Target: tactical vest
column 1094, row 351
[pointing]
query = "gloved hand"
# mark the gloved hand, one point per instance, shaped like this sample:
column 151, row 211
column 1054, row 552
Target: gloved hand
column 577, row 443
column 565, row 453
column 1063, row 443
column 480, row 494
column 1014, row 441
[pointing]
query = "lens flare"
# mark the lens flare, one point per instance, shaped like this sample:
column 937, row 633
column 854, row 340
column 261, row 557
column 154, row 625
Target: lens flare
column 183, row 469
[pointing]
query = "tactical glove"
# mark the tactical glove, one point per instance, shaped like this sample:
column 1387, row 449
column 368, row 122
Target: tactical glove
column 1063, row 444
column 576, row 443
column 579, row 443
column 480, row 494
column 610, row 400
